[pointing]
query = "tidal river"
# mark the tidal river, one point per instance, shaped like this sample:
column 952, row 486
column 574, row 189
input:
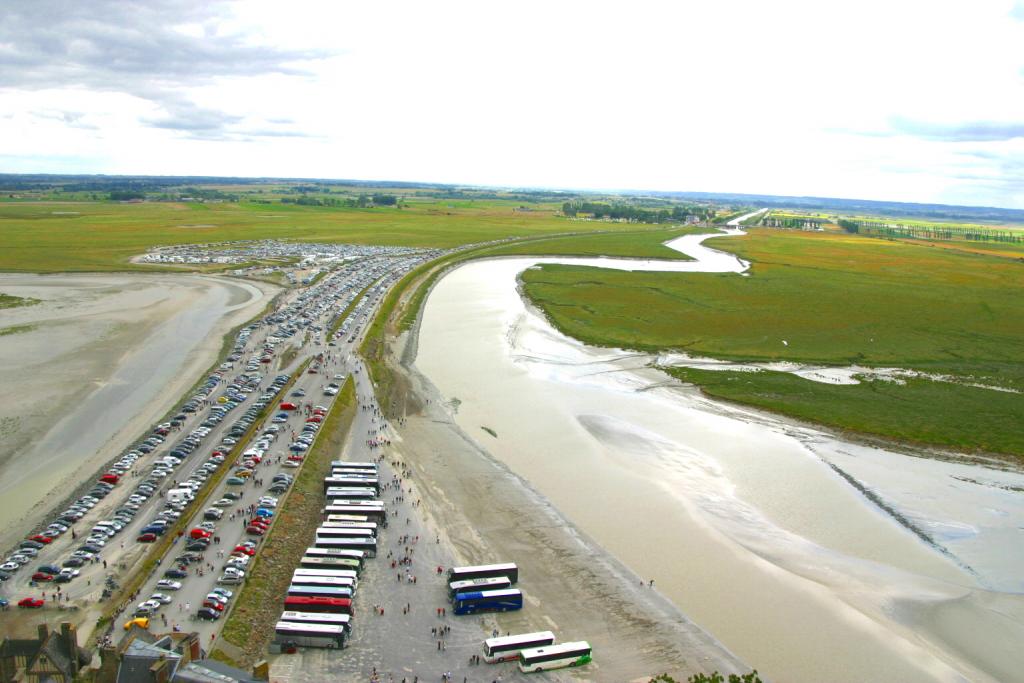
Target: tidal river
column 811, row 558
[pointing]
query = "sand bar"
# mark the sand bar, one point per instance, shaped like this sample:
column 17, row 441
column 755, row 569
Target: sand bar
column 101, row 358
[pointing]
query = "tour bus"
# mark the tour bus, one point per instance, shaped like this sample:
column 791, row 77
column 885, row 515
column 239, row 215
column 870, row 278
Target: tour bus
column 490, row 584
column 344, row 532
column 358, row 482
column 304, row 591
column 314, row 562
column 346, row 518
column 554, row 656
column 358, row 465
column 351, row 492
column 297, row 603
column 367, row 545
column 488, row 601
column 376, row 514
column 484, row 571
column 506, row 648
column 352, row 472
column 319, row 618
column 372, row 526
column 325, row 581
column 335, row 552
column 330, row 636
column 332, row 573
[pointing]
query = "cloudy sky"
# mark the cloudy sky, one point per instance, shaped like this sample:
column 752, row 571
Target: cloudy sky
column 896, row 99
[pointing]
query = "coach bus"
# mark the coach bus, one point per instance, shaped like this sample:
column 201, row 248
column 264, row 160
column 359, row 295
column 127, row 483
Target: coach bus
column 301, row 603
column 330, row 636
column 372, row 466
column 492, row 584
column 506, row 648
column 367, row 545
column 374, row 514
column 346, row 518
column 326, row 581
column 313, row 551
column 319, row 618
column 554, row 656
column 351, row 492
column 344, row 532
column 313, row 562
column 354, row 481
column 372, row 526
column 485, row 571
column 303, row 591
column 488, row 601
column 333, row 573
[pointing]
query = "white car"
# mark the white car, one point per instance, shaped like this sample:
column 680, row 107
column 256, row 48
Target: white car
column 167, row 584
column 161, row 598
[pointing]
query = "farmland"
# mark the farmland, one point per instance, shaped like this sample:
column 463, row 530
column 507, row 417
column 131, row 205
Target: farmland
column 103, row 236
column 831, row 299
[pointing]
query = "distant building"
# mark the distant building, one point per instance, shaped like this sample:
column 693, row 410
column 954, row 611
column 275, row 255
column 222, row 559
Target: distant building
column 50, row 656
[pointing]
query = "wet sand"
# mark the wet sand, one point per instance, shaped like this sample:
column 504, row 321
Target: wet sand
column 742, row 519
column 105, row 356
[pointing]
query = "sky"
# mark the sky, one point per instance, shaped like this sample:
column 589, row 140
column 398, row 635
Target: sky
column 899, row 100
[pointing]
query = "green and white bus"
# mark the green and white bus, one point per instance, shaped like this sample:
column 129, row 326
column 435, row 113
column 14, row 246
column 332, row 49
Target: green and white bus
column 554, row 656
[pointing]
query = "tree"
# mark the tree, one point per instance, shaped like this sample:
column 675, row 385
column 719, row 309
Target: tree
column 713, row 677
column 849, row 226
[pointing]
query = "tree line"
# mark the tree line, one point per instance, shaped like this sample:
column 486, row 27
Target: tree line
column 627, row 212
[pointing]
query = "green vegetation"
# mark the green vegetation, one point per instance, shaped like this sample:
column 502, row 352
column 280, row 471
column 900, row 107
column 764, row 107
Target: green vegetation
column 630, row 212
column 11, row 301
column 713, row 677
column 825, row 298
column 249, row 626
column 16, row 329
column 920, row 411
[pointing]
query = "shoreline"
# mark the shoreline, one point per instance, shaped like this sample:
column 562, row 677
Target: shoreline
column 236, row 300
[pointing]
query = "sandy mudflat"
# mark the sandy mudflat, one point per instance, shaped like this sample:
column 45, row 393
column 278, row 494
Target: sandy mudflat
column 102, row 357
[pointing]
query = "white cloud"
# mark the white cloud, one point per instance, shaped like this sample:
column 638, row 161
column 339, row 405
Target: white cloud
column 872, row 99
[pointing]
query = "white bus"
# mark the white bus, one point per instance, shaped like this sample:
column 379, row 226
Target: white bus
column 506, row 648
column 367, row 545
column 350, row 492
column 554, row 656
column 484, row 571
column 319, row 618
column 492, row 583
column 358, row 465
column 315, row 562
column 372, row 526
column 344, row 532
column 302, row 634
column 338, row 573
column 325, row 581
column 313, row 551
column 347, row 518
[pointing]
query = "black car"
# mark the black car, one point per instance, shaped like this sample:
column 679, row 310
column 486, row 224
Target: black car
column 73, row 562
column 31, row 544
column 208, row 614
column 175, row 574
column 196, row 547
column 90, row 548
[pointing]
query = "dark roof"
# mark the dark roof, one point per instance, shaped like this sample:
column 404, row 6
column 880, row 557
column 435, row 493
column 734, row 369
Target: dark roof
column 19, row 647
column 212, row 671
column 140, row 656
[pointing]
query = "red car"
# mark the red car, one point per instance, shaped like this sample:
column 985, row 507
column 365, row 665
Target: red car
column 259, row 521
column 146, row 538
column 199, row 533
column 39, row 538
column 250, row 551
column 213, row 604
column 288, row 406
column 255, row 530
column 42, row 576
column 33, row 603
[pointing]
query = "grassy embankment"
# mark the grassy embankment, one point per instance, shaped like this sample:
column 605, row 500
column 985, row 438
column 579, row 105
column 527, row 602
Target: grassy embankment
column 403, row 302
column 835, row 300
column 103, row 236
column 249, row 626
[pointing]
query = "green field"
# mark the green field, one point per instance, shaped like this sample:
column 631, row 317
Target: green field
column 10, row 301
column 833, row 299
column 103, row 236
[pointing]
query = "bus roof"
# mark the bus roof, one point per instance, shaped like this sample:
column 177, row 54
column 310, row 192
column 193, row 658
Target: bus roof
column 316, row 617
column 521, row 638
column 501, row 593
column 326, row 629
column 554, row 649
column 484, row 567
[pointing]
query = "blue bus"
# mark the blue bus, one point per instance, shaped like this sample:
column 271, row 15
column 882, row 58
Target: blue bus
column 488, row 601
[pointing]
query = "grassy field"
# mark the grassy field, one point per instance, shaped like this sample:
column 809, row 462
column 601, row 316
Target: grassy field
column 833, row 299
column 103, row 236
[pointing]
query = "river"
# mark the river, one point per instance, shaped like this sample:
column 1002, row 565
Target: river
column 811, row 558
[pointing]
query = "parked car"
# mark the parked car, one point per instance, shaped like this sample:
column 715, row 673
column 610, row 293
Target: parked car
column 31, row 603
